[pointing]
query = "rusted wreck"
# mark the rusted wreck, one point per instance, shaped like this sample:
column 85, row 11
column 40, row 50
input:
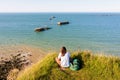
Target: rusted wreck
column 63, row 23
column 42, row 29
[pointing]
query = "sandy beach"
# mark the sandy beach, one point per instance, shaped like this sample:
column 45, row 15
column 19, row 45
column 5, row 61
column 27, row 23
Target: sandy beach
column 35, row 52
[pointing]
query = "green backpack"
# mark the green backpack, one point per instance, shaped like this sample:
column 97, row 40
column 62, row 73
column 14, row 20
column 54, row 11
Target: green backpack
column 75, row 65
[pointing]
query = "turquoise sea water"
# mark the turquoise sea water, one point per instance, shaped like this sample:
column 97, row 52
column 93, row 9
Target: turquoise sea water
column 98, row 32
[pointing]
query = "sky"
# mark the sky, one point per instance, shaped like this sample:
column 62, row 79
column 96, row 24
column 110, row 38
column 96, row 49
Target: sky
column 59, row 5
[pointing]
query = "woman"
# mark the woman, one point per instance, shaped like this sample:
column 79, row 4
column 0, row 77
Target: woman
column 63, row 58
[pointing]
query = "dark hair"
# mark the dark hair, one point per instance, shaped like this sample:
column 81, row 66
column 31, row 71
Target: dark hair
column 64, row 48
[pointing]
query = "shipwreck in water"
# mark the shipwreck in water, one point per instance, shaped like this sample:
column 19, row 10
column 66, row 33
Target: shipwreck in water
column 40, row 29
column 63, row 23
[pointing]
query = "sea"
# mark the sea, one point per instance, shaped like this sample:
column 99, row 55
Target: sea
column 96, row 32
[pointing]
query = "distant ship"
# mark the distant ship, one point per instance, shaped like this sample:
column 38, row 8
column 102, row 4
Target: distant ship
column 52, row 17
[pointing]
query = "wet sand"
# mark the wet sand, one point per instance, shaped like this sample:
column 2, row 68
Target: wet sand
column 35, row 52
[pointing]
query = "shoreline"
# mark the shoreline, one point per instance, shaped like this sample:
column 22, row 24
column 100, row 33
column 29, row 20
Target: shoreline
column 36, row 53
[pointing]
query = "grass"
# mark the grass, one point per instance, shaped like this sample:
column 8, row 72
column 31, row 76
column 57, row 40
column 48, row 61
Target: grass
column 93, row 67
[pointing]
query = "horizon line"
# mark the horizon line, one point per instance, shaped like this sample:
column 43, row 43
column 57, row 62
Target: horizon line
column 60, row 12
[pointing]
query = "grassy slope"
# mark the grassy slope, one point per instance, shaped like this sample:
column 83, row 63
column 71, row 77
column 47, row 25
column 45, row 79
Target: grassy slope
column 93, row 67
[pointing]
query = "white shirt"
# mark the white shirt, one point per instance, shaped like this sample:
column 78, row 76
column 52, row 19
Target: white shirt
column 65, row 60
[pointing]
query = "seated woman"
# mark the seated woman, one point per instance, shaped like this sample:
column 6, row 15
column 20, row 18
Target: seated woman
column 63, row 58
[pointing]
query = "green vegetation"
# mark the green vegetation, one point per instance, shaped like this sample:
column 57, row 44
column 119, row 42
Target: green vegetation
column 93, row 67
